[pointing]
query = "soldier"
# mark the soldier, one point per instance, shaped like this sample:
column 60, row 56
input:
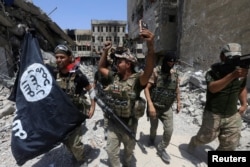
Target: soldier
column 73, row 81
column 221, row 117
column 122, row 94
column 161, row 92
column 102, row 82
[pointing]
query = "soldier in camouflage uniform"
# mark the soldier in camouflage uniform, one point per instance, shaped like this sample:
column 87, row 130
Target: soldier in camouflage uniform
column 101, row 82
column 161, row 92
column 121, row 97
column 221, row 117
column 73, row 81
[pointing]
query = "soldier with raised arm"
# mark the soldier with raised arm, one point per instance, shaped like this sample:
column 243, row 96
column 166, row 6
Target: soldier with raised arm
column 123, row 96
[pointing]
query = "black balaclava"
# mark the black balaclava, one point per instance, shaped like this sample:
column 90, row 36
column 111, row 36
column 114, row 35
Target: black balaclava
column 169, row 57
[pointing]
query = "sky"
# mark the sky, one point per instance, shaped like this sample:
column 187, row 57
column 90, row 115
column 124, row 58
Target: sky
column 77, row 14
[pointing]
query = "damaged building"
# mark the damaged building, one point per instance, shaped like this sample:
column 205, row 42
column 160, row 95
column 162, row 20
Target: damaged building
column 89, row 43
column 16, row 17
column 161, row 16
column 195, row 30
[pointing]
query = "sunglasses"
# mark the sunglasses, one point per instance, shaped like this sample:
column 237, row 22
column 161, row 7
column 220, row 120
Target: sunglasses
column 63, row 48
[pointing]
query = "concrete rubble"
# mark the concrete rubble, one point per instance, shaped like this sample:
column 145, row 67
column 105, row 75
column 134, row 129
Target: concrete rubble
column 186, row 123
column 18, row 17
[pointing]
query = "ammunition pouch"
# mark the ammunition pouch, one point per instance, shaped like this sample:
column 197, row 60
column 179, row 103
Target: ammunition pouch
column 122, row 108
column 82, row 104
column 160, row 107
column 79, row 100
column 121, row 98
column 139, row 107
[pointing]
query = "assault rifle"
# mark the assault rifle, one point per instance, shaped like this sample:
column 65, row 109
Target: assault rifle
column 240, row 61
column 231, row 64
column 114, row 117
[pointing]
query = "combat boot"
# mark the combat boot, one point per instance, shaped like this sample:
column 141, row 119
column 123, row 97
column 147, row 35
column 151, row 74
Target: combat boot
column 164, row 155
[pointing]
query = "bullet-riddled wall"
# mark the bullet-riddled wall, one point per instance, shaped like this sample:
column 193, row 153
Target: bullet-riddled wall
column 161, row 17
column 209, row 24
column 199, row 29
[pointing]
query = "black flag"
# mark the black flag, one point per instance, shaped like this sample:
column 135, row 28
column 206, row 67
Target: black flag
column 45, row 115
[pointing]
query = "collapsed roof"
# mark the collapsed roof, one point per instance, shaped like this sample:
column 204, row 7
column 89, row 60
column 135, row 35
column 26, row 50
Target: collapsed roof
column 17, row 15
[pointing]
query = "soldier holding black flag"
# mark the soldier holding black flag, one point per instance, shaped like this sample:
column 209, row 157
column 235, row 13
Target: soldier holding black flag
column 73, row 81
column 45, row 115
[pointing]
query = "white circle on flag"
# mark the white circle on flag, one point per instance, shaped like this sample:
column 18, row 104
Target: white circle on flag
column 36, row 82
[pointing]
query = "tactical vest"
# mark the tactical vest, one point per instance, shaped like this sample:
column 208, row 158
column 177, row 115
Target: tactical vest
column 68, row 86
column 121, row 97
column 163, row 92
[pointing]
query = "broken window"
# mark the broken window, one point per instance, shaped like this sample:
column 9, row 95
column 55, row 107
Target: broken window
column 172, row 18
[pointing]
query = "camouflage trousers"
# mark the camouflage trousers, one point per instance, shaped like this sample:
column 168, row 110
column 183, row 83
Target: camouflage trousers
column 167, row 120
column 74, row 144
column 226, row 128
column 116, row 136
